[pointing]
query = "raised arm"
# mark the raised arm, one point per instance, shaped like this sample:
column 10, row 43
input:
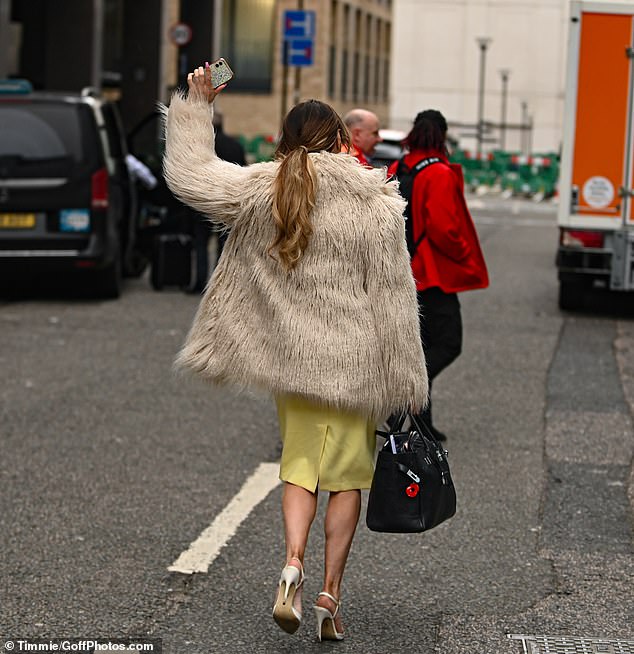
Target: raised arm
column 193, row 171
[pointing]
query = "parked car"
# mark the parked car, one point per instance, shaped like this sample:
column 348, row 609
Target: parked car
column 389, row 149
column 67, row 199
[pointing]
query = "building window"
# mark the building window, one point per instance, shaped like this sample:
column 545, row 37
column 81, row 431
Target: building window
column 355, row 77
column 378, row 40
column 356, row 62
column 344, row 74
column 386, row 80
column 386, row 64
column 367, row 50
column 377, row 77
column 247, row 42
column 332, row 70
column 366, row 78
column 347, row 53
column 332, row 50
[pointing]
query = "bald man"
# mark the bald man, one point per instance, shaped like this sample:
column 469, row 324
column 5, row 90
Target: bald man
column 363, row 126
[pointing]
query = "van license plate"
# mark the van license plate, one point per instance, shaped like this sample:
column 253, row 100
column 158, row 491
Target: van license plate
column 17, row 220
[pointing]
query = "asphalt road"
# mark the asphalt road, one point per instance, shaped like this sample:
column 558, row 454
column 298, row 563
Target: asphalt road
column 111, row 466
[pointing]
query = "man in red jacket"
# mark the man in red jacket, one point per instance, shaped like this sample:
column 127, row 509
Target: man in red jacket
column 363, row 126
column 448, row 258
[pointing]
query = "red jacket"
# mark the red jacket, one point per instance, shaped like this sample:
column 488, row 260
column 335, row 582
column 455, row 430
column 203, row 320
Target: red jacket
column 449, row 256
column 360, row 157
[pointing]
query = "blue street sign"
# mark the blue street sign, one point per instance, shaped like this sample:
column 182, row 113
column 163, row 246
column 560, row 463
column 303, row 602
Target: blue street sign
column 299, row 25
column 299, row 52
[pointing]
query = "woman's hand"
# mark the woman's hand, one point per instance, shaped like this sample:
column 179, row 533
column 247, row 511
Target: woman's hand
column 199, row 83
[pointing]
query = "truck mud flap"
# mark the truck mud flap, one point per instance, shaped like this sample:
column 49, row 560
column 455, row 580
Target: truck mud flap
column 621, row 278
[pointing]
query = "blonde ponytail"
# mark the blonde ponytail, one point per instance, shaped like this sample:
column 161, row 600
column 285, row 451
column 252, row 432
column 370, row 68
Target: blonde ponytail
column 294, row 194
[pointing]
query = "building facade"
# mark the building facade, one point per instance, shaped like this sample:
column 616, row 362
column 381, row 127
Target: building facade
column 436, row 63
column 140, row 51
column 113, row 45
column 351, row 60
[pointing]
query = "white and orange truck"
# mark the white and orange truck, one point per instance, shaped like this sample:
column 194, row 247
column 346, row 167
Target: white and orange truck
column 596, row 217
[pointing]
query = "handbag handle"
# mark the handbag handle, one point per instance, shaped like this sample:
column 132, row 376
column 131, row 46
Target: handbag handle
column 397, row 426
column 440, row 453
column 422, row 427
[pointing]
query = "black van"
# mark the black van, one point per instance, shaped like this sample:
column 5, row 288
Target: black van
column 67, row 199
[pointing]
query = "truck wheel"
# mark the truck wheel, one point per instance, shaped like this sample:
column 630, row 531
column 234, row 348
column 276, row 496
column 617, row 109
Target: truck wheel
column 571, row 295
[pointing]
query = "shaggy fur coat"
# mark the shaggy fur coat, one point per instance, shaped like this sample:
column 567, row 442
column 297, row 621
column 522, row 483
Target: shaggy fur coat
column 342, row 327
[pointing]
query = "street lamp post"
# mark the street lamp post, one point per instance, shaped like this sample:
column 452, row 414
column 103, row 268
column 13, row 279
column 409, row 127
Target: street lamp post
column 525, row 136
column 504, row 72
column 483, row 43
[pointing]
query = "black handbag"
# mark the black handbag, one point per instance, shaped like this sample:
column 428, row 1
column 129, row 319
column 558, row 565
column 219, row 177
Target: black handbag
column 412, row 489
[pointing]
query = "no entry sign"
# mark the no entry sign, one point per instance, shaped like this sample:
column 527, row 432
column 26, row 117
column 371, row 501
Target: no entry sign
column 180, row 34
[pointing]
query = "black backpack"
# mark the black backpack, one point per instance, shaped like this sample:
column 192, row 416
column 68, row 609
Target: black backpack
column 406, row 178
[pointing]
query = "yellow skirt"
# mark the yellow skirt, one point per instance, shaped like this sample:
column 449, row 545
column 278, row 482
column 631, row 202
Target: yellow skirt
column 324, row 447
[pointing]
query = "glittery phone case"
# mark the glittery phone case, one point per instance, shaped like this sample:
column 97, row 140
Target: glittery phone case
column 220, row 73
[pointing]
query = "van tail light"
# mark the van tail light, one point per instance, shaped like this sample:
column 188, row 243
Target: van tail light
column 581, row 238
column 100, row 189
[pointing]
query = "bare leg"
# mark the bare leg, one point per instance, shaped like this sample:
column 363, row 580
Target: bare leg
column 299, row 507
column 342, row 516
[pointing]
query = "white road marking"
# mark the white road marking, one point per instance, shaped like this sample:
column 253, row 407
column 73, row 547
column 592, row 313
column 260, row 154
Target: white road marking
column 205, row 548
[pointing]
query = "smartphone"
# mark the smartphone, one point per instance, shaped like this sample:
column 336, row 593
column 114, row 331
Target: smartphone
column 220, row 73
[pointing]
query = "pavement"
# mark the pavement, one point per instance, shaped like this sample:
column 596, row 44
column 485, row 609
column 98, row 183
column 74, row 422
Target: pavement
column 624, row 350
column 585, row 527
column 585, row 533
column 112, row 466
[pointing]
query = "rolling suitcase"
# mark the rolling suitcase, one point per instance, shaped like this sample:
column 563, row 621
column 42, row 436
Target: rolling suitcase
column 172, row 261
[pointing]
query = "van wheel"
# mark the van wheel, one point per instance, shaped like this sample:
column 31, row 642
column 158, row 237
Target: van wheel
column 109, row 280
column 571, row 295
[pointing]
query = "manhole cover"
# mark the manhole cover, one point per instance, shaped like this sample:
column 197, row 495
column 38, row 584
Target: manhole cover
column 573, row 645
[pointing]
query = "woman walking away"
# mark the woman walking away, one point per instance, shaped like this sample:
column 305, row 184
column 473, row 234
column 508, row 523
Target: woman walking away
column 314, row 302
column 447, row 259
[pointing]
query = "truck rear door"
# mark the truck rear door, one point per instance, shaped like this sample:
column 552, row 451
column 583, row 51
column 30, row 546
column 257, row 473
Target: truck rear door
column 597, row 158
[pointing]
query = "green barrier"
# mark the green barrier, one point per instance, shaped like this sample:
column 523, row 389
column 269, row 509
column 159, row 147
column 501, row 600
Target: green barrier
column 535, row 176
column 499, row 170
column 259, row 148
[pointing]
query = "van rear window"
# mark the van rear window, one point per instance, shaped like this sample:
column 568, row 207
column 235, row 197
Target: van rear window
column 40, row 134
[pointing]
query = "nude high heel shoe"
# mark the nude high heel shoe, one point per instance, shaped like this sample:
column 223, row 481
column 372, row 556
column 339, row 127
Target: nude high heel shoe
column 286, row 612
column 326, row 629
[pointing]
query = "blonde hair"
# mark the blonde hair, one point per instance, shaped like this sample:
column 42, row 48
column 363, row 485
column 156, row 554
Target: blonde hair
column 311, row 126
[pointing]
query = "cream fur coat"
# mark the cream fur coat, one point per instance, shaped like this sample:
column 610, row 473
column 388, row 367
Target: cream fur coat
column 342, row 327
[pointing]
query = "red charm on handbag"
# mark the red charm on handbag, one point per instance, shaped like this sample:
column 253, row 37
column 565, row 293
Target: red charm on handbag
column 412, row 490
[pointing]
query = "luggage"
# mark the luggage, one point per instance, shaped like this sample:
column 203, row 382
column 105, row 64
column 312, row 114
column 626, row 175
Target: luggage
column 173, row 260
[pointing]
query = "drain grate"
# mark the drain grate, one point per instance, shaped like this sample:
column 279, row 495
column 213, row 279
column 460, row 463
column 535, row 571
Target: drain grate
column 573, row 645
